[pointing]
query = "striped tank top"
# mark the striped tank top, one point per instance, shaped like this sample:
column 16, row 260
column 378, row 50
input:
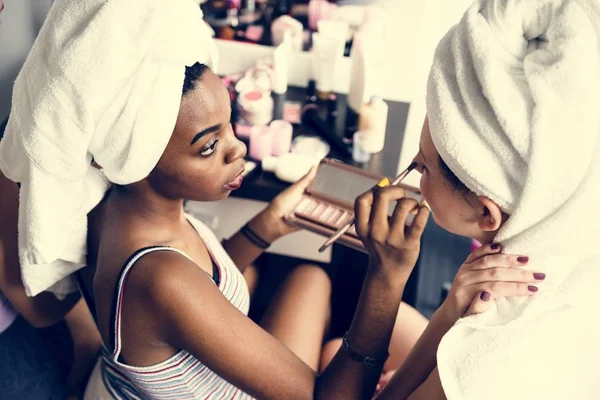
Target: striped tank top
column 181, row 376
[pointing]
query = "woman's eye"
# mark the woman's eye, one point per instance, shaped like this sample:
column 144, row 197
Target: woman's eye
column 209, row 149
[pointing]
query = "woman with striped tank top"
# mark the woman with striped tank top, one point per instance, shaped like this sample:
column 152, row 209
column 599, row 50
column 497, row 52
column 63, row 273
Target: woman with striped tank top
column 171, row 301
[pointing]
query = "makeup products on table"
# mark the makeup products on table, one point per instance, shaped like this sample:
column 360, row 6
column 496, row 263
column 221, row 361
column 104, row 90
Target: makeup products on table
column 254, row 101
column 290, row 167
column 261, row 142
column 282, row 132
column 320, row 10
column 367, row 58
column 351, row 125
column 252, row 34
column 311, row 118
column 281, row 64
column 373, row 124
column 292, row 112
column 359, row 153
column 328, row 203
column 332, row 112
column 311, row 92
column 324, row 63
column 228, row 31
column 312, row 146
column 284, row 24
column 255, row 107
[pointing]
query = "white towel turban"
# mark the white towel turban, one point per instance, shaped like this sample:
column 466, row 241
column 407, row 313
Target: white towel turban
column 103, row 80
column 514, row 111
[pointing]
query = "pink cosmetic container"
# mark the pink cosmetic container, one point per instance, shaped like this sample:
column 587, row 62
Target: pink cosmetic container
column 261, row 142
column 282, row 132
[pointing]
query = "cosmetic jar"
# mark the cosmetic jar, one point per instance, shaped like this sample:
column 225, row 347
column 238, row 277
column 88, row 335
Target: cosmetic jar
column 292, row 167
column 255, row 107
column 359, row 154
column 319, row 10
column 254, row 102
column 291, row 25
column 312, row 146
column 282, row 132
column 261, row 142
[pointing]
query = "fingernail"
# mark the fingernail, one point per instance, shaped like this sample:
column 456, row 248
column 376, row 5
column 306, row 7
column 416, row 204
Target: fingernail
column 532, row 288
column 384, row 182
column 485, row 296
column 539, row 276
column 424, row 203
column 495, row 246
column 523, row 259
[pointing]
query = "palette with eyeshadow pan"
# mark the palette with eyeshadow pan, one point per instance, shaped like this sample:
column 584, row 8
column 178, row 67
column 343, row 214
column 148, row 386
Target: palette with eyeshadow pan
column 328, row 203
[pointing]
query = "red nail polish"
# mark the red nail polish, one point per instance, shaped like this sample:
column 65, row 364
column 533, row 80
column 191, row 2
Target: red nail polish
column 539, row 276
column 485, row 296
column 532, row 288
column 523, row 259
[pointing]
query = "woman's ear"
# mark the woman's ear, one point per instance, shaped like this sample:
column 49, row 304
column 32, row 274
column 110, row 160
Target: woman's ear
column 491, row 216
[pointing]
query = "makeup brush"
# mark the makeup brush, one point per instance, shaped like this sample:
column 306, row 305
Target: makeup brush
column 382, row 183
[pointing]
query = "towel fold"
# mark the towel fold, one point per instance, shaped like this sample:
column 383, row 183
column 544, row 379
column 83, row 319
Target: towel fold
column 512, row 102
column 104, row 81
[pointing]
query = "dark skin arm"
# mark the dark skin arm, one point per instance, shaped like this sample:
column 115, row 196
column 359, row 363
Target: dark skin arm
column 485, row 270
column 241, row 250
column 269, row 224
column 200, row 320
column 44, row 309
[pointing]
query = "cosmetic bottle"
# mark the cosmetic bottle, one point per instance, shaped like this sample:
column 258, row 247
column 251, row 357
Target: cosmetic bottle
column 359, row 153
column 228, row 31
column 324, row 64
column 332, row 112
column 282, row 132
column 373, row 124
column 285, row 24
column 366, row 59
column 311, row 92
column 281, row 64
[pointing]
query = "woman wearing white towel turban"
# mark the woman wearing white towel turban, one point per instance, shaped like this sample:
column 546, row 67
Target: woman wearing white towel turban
column 510, row 154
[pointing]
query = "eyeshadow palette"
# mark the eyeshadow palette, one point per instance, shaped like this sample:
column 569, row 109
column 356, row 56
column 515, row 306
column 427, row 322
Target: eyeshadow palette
column 328, row 203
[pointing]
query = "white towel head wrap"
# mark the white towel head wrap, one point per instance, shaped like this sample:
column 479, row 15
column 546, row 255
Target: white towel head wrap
column 103, row 80
column 513, row 106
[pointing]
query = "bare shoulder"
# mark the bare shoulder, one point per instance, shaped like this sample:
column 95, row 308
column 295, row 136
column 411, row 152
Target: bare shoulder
column 161, row 278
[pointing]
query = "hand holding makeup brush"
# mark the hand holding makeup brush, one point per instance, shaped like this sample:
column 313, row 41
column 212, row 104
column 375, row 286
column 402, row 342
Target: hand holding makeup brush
column 392, row 246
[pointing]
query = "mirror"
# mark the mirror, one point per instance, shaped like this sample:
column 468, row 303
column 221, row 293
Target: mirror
column 267, row 22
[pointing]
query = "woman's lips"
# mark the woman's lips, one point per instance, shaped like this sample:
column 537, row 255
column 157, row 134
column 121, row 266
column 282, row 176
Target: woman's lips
column 236, row 183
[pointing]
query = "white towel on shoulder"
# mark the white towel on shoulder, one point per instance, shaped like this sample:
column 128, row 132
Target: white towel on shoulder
column 104, row 80
column 513, row 105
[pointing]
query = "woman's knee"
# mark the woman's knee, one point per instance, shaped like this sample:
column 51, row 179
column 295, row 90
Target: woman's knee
column 313, row 274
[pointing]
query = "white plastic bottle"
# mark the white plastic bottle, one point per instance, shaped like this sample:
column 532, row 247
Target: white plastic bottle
column 281, row 63
column 366, row 57
column 373, row 124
